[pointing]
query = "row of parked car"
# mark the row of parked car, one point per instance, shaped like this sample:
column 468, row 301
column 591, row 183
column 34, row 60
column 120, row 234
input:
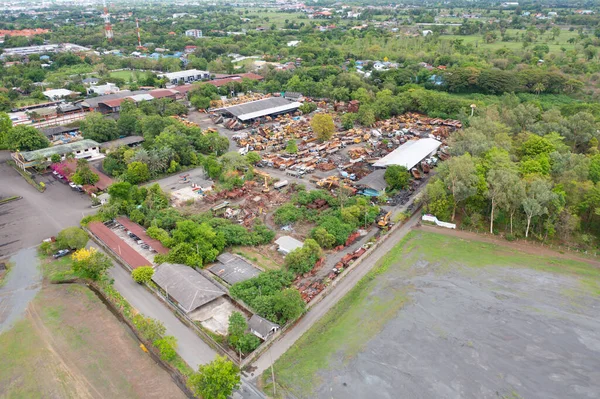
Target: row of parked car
column 63, row 179
column 114, row 225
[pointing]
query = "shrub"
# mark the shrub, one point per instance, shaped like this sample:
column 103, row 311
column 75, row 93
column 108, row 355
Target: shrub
column 72, row 237
column 166, row 347
column 142, row 274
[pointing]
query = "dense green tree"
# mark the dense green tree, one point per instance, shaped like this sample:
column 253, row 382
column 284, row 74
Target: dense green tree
column 142, row 274
column 91, row 263
column 216, row 380
column 538, row 196
column 137, row 172
column 396, row 177
column 302, row 260
column 459, row 175
column 83, row 174
column 71, row 237
column 25, row 138
column 291, row 147
column 288, row 305
column 98, row 128
column 322, row 126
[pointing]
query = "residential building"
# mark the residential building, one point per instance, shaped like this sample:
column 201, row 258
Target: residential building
column 197, row 33
column 83, row 149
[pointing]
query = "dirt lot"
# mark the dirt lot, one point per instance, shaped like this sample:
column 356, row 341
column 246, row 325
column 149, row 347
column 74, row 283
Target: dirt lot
column 444, row 317
column 70, row 346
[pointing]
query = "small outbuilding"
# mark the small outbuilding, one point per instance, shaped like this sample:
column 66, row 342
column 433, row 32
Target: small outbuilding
column 375, row 181
column 262, row 327
column 287, row 244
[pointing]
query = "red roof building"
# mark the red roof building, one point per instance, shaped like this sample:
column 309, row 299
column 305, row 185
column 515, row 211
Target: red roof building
column 117, row 245
column 141, row 232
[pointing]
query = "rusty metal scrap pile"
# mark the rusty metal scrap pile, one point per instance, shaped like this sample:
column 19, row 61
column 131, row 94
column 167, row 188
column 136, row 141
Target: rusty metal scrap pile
column 250, row 202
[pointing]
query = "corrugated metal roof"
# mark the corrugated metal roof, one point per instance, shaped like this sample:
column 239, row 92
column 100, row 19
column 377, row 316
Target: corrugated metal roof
column 233, row 269
column 409, row 154
column 94, row 101
column 189, row 288
column 267, row 106
column 374, row 180
column 287, row 244
column 261, row 325
column 60, row 149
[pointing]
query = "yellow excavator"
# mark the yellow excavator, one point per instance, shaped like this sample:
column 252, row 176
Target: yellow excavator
column 266, row 177
column 384, row 220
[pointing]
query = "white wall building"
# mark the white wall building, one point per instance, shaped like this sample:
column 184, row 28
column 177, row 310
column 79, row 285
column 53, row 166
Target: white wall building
column 57, row 94
column 191, row 75
column 197, row 33
column 102, row 90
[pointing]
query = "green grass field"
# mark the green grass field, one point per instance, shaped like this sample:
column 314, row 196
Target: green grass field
column 365, row 310
column 125, row 75
column 555, row 45
column 277, row 18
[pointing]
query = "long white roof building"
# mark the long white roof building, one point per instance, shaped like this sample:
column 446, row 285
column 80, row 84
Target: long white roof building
column 409, row 154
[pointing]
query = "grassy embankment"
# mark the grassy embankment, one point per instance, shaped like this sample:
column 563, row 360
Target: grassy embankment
column 362, row 313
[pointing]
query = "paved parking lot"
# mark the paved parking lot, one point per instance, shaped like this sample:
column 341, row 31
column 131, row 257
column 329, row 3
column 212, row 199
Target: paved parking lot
column 36, row 216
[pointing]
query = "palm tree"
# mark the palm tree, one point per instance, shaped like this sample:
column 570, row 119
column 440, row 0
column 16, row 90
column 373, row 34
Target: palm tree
column 539, row 88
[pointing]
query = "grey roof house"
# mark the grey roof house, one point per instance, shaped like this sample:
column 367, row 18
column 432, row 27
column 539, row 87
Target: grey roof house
column 262, row 327
column 287, row 244
column 189, row 288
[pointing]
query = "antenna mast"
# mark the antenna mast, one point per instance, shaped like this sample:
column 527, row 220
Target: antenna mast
column 108, row 32
column 137, row 27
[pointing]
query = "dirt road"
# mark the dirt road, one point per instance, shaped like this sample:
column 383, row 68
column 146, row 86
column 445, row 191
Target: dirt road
column 320, row 309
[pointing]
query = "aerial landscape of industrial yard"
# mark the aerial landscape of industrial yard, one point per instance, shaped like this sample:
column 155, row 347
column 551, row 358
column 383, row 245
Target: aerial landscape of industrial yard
column 299, row 200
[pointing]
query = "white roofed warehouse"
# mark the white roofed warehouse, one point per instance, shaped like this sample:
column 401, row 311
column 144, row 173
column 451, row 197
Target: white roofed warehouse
column 410, row 153
column 252, row 110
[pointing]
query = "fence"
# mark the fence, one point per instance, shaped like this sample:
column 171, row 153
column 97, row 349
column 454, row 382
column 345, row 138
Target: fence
column 60, row 120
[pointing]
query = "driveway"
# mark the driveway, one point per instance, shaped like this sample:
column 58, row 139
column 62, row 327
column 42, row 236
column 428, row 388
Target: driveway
column 189, row 346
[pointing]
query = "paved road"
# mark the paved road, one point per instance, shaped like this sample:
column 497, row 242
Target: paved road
column 190, row 347
column 320, row 309
column 21, row 286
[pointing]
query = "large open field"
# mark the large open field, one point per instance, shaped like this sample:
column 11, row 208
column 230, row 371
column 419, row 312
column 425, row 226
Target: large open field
column 69, row 345
column 442, row 317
